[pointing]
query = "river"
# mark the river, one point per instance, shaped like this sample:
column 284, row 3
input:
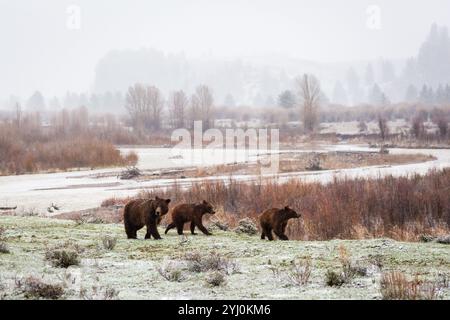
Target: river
column 84, row 189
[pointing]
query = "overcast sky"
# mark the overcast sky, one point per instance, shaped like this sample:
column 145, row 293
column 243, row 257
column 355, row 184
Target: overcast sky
column 39, row 50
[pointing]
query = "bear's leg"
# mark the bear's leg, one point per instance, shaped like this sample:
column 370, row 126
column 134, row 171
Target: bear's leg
column 193, row 228
column 283, row 227
column 268, row 232
column 199, row 224
column 180, row 228
column 132, row 234
column 170, row 226
column 263, row 235
column 148, row 234
column 153, row 230
column 280, row 234
column 130, row 231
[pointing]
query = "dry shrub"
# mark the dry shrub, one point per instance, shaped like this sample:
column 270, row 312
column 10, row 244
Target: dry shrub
column 62, row 258
column 213, row 261
column 4, row 248
column 215, row 279
column 300, row 272
column 401, row 208
column 172, row 272
column 29, row 148
column 99, row 293
column 334, row 279
column 395, row 286
column 35, row 288
column 109, row 242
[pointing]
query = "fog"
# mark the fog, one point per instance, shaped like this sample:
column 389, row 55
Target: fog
column 44, row 47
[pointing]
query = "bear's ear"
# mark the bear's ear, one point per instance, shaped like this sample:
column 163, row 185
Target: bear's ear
column 157, row 198
column 286, row 208
column 167, row 200
column 204, row 202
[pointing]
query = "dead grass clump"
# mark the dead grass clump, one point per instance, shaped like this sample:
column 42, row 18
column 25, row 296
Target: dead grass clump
column 99, row 293
column 215, row 279
column 35, row 288
column 109, row 242
column 395, row 286
column 172, row 272
column 4, row 247
column 300, row 272
column 213, row 261
column 246, row 226
column 62, row 258
column 334, row 279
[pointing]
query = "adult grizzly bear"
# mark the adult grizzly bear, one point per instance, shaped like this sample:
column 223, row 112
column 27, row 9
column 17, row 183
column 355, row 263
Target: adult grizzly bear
column 276, row 220
column 144, row 212
column 183, row 213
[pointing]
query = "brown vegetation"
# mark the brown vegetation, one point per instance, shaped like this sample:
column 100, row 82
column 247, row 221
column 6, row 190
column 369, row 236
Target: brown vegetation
column 399, row 208
column 27, row 147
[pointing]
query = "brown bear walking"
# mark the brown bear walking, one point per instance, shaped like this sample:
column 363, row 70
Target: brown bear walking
column 190, row 212
column 276, row 220
column 143, row 212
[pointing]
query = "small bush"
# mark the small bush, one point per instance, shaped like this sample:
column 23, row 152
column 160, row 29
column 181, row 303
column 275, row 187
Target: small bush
column 99, row 293
column 395, row 286
column 213, row 261
column 61, row 258
column 443, row 239
column 3, row 248
column 426, row 238
column 334, row 279
column 109, row 242
column 171, row 272
column 215, row 279
column 300, row 272
column 349, row 270
column 35, row 288
column 218, row 225
column 247, row 226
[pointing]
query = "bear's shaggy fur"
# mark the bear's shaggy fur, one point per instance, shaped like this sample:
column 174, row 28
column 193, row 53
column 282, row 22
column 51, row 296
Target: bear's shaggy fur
column 190, row 212
column 144, row 212
column 276, row 220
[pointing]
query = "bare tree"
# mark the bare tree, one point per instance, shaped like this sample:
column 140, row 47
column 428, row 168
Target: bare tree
column 417, row 127
column 177, row 104
column 383, row 127
column 137, row 105
column 18, row 115
column 194, row 110
column 145, row 105
column 203, row 100
column 156, row 103
column 309, row 92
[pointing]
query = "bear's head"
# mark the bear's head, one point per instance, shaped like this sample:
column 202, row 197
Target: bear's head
column 206, row 207
column 161, row 206
column 289, row 213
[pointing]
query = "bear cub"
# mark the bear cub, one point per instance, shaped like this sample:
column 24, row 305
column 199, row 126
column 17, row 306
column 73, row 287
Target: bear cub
column 189, row 212
column 276, row 220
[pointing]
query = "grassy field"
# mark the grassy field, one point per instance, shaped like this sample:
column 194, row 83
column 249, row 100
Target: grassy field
column 228, row 265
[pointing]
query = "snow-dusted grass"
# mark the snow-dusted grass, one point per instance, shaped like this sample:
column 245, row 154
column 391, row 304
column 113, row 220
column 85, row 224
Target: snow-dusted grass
column 130, row 269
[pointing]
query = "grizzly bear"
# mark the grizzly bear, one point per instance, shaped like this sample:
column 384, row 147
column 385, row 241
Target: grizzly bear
column 144, row 212
column 276, row 220
column 190, row 212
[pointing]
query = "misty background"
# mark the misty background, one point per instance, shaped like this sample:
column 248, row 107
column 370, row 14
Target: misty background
column 248, row 52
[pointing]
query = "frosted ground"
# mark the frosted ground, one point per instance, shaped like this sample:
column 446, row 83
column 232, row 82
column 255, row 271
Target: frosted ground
column 85, row 189
column 258, row 269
